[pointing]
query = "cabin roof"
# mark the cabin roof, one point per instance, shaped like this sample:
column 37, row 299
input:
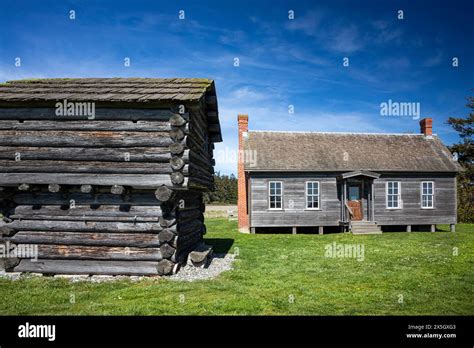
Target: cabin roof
column 141, row 91
column 106, row 89
column 313, row 151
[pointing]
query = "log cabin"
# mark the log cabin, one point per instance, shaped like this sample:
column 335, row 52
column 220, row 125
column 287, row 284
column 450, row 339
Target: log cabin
column 105, row 175
column 359, row 182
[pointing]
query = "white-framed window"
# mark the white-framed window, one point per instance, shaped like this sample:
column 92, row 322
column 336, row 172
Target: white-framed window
column 275, row 194
column 393, row 195
column 427, row 195
column 312, row 195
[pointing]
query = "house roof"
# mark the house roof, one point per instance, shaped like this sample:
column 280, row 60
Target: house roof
column 134, row 91
column 313, row 151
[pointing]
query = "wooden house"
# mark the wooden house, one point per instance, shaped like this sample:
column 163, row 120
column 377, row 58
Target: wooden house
column 105, row 175
column 362, row 182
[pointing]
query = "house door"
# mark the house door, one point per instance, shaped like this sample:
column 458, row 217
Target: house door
column 355, row 200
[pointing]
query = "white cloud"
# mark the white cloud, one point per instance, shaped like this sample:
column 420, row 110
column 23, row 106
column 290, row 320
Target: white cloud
column 433, row 60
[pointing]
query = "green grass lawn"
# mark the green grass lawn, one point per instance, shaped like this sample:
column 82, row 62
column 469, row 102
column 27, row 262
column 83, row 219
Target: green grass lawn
column 402, row 274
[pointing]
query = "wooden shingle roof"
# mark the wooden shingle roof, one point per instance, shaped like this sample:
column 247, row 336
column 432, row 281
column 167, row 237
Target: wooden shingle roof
column 107, row 89
column 312, row 151
column 128, row 92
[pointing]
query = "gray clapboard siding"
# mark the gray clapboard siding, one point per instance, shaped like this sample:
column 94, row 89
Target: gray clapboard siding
column 444, row 211
column 294, row 202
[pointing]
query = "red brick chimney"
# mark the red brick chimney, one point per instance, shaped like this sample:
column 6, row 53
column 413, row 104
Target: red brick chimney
column 426, row 126
column 242, row 209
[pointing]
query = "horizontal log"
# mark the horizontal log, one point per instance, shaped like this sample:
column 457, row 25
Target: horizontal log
column 87, row 125
column 195, row 145
column 139, row 240
column 190, row 227
column 215, row 128
column 133, row 114
column 147, row 199
column 201, row 171
column 199, row 160
column 190, row 204
column 196, row 130
column 112, row 211
column 132, row 218
column 84, row 167
column 189, row 244
column 198, row 184
column 188, row 215
column 77, row 252
column 86, row 226
column 134, row 180
column 88, row 267
column 117, row 154
column 83, row 139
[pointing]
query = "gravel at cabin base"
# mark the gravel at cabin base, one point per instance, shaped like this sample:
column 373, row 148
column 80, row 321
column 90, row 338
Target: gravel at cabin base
column 219, row 263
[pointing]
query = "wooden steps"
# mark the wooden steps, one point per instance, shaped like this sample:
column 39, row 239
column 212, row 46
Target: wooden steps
column 365, row 227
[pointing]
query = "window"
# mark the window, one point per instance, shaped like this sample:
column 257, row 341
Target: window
column 427, row 194
column 354, row 193
column 393, row 195
column 275, row 194
column 312, row 195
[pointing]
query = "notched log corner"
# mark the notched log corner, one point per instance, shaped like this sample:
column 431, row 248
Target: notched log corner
column 201, row 256
column 6, row 231
column 166, row 267
column 164, row 193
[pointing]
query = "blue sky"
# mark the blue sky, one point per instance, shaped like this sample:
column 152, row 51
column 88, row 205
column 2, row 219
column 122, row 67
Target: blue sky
column 283, row 61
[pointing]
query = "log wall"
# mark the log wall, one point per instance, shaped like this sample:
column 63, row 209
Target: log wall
column 119, row 194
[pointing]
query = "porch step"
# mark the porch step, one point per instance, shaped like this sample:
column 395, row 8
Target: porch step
column 365, row 227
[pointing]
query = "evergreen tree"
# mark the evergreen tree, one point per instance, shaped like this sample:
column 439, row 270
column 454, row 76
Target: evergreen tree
column 464, row 151
column 225, row 190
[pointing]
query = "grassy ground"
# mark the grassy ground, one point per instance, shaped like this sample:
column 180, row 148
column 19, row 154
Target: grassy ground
column 402, row 273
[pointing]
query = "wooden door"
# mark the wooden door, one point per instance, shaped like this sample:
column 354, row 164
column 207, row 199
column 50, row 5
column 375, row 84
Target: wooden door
column 355, row 201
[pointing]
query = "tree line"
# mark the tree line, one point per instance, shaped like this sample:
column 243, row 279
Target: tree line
column 225, row 192
column 464, row 151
